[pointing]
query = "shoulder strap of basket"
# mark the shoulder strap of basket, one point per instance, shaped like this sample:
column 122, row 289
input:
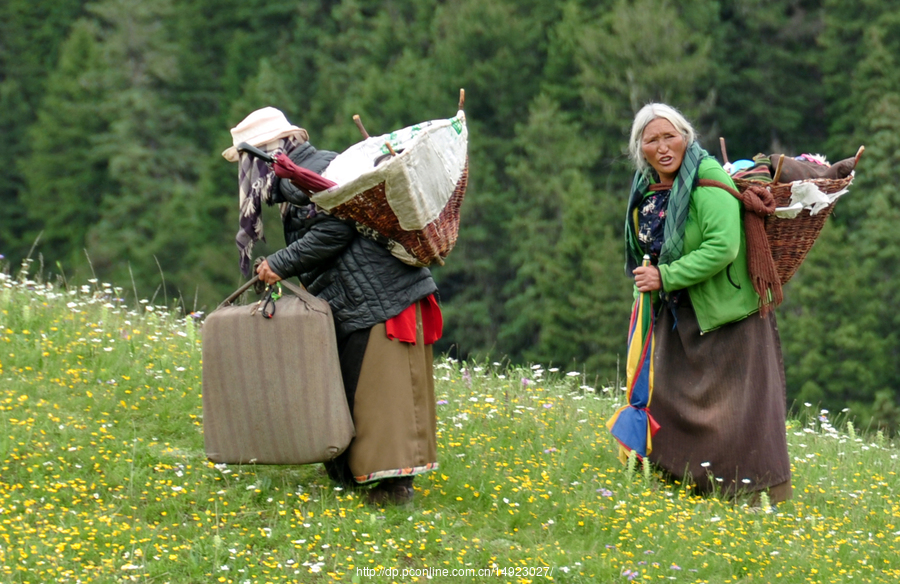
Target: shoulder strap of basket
column 758, row 203
column 706, row 182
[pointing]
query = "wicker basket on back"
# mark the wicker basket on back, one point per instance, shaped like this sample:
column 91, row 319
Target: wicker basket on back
column 404, row 189
column 790, row 239
column 370, row 209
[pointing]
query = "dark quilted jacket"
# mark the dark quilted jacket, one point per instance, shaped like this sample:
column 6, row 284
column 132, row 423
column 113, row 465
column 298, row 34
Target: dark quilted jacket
column 361, row 281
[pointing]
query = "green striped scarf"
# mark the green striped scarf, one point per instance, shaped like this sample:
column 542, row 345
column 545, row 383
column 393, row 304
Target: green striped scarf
column 676, row 213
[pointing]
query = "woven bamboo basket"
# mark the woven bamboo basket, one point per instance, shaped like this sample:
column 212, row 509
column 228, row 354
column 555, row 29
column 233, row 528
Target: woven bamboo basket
column 423, row 247
column 404, row 189
column 791, row 239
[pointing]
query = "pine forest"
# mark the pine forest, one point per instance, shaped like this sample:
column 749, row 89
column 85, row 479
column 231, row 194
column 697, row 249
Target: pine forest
column 114, row 115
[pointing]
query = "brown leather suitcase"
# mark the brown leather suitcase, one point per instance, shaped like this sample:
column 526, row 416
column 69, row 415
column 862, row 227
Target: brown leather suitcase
column 272, row 387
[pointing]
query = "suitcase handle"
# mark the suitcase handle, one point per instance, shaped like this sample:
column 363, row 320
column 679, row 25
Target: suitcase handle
column 297, row 290
column 234, row 295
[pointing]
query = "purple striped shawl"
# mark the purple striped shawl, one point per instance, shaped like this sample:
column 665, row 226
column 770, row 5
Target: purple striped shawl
column 255, row 182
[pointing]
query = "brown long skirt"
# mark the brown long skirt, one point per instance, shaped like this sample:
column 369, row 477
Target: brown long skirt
column 720, row 401
column 394, row 409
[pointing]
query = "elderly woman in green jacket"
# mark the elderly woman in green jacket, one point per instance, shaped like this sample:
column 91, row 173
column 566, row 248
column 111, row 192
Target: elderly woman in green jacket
column 719, row 394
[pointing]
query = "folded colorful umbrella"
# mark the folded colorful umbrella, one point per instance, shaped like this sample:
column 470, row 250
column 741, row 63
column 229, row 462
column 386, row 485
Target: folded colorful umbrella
column 632, row 425
column 303, row 178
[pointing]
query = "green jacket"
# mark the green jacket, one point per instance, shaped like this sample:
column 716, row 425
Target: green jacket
column 713, row 265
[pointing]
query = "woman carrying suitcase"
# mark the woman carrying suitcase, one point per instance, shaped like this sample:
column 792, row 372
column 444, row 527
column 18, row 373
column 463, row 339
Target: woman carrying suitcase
column 385, row 315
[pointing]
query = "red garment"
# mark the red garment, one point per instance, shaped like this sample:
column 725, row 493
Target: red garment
column 303, row 178
column 403, row 326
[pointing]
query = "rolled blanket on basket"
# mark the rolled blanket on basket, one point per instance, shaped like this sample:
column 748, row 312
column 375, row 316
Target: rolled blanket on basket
column 806, row 166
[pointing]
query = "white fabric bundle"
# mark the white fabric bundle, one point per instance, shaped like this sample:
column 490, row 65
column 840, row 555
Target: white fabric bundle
column 806, row 195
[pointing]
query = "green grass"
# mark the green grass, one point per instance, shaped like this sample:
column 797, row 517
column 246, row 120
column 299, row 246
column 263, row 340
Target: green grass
column 103, row 478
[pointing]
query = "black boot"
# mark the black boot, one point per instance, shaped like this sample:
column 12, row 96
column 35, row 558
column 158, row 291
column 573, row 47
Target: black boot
column 397, row 491
column 339, row 471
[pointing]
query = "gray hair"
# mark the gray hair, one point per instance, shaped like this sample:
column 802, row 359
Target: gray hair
column 647, row 114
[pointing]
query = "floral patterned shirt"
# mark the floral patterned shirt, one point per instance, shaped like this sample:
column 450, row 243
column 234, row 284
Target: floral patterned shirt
column 652, row 223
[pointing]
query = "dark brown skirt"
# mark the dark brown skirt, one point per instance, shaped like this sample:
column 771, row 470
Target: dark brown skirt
column 720, row 401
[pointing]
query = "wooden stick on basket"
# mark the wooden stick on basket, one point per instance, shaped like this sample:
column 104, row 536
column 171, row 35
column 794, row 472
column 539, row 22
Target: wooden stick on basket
column 365, row 134
column 778, row 169
column 359, row 124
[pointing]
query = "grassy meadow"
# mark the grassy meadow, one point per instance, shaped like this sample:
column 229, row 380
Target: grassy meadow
column 103, row 478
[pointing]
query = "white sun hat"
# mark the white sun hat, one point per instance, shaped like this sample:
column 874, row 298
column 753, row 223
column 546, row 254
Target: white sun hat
column 261, row 127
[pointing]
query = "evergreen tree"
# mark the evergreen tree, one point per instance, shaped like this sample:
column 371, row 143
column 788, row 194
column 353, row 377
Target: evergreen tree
column 840, row 326
column 495, row 50
column 132, row 114
column 30, row 36
column 644, row 51
column 570, row 297
column 864, row 82
column 13, row 221
column 564, row 40
column 219, row 46
column 844, row 47
column 879, row 244
column 147, row 219
column 829, row 345
column 769, row 77
column 65, row 172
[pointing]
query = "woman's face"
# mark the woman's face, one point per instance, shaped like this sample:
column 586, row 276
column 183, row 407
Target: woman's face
column 663, row 148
